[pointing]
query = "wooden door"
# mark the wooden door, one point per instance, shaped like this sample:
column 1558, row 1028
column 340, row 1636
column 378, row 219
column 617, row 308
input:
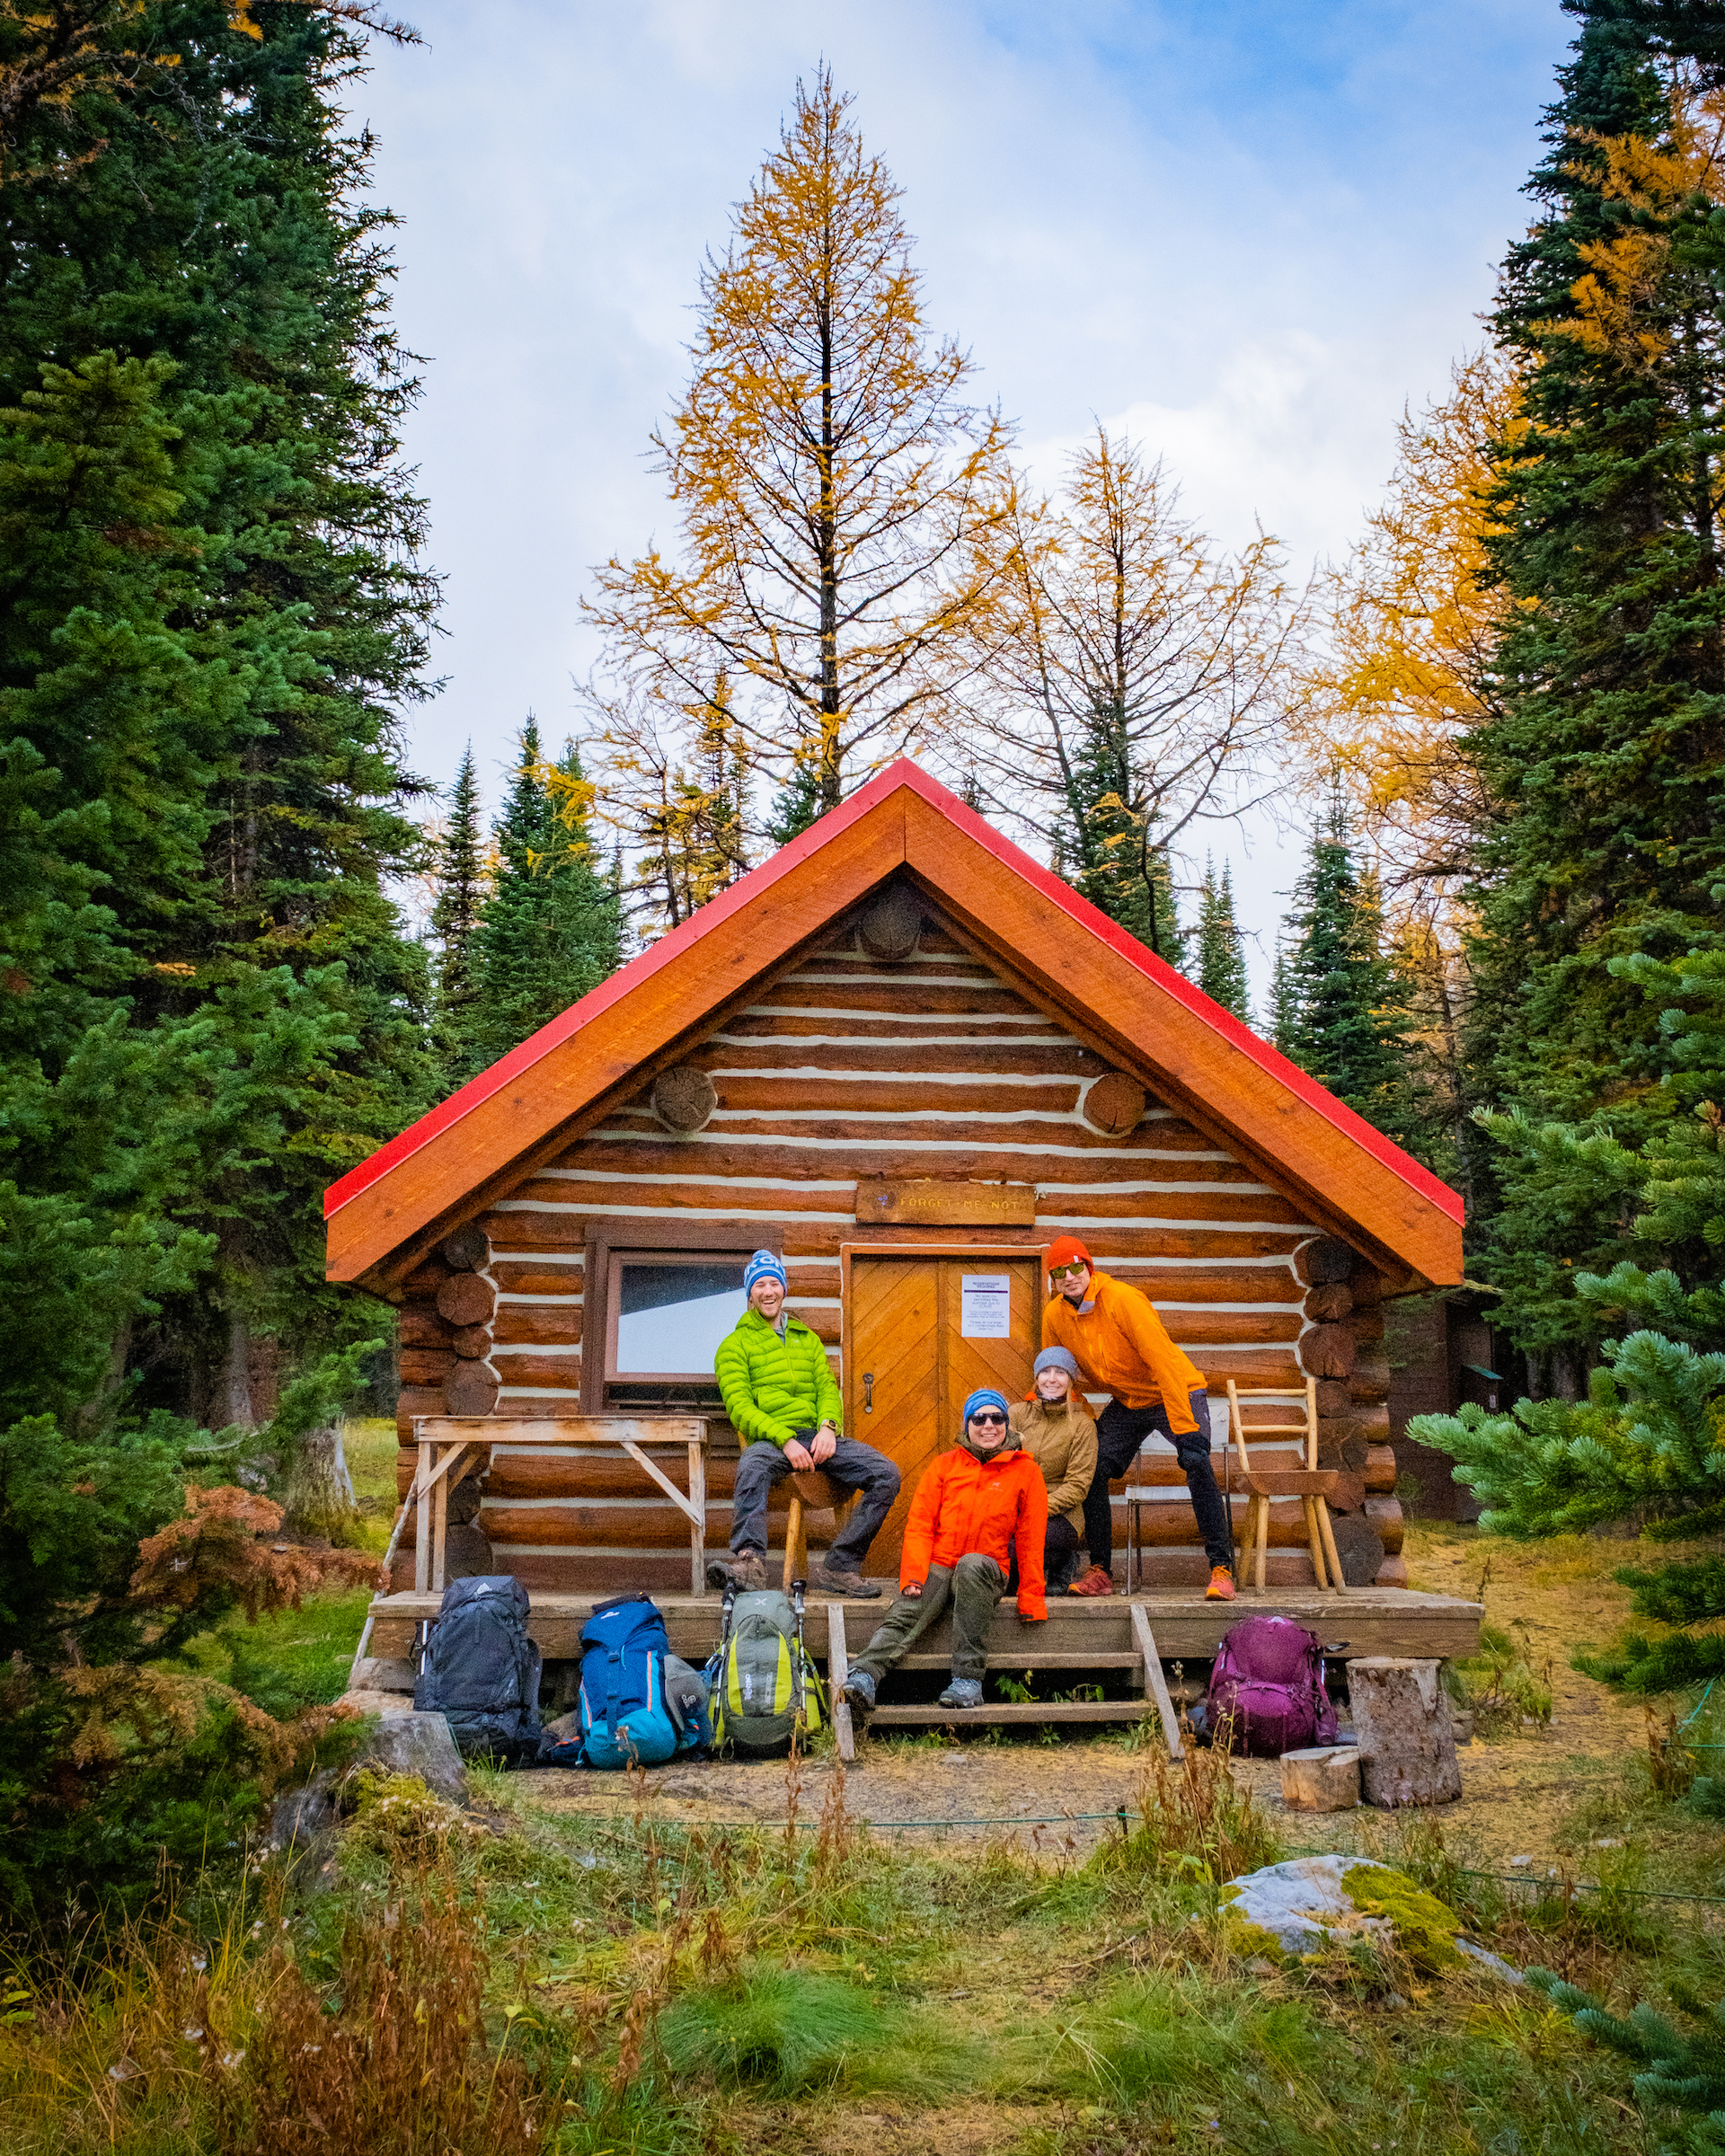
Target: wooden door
column 917, row 1344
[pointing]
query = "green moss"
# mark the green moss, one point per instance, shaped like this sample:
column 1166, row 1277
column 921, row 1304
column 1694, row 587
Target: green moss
column 1246, row 1939
column 1425, row 1927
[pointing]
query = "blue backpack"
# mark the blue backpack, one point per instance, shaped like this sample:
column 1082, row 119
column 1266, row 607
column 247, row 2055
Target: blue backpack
column 631, row 1709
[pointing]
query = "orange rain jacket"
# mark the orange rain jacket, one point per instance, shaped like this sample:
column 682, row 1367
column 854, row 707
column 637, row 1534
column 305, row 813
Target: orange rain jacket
column 990, row 1505
column 1122, row 1347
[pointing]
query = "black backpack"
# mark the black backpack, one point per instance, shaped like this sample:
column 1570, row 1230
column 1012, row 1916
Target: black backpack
column 481, row 1671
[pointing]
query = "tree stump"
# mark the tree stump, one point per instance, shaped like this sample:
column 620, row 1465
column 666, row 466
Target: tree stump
column 1407, row 1751
column 319, row 1498
column 1325, row 1778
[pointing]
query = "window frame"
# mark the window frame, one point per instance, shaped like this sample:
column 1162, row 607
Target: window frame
column 664, row 1235
column 615, row 1262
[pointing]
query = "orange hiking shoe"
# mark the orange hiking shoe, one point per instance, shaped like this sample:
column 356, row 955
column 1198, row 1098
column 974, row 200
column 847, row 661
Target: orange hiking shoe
column 1221, row 1586
column 1096, row 1581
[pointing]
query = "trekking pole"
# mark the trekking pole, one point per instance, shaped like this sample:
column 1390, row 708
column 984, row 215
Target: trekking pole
column 799, row 1590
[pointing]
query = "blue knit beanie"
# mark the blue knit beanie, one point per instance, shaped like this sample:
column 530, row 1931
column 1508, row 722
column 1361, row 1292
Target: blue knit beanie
column 1056, row 1358
column 984, row 1396
column 763, row 1265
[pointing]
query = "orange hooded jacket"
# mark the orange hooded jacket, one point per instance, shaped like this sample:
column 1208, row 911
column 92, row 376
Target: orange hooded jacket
column 990, row 1505
column 1122, row 1347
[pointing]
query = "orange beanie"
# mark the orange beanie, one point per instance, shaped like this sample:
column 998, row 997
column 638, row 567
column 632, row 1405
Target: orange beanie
column 1066, row 1249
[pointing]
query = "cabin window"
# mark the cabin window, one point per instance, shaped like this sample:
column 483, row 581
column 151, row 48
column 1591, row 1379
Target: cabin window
column 666, row 1313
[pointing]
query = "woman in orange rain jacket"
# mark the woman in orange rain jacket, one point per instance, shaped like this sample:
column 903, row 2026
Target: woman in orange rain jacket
column 975, row 1508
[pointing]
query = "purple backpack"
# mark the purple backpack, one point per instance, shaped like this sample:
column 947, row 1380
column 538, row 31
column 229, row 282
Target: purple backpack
column 1267, row 1694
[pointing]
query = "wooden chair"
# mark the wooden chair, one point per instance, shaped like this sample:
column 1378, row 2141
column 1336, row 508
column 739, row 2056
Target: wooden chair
column 1313, row 1485
column 810, row 1491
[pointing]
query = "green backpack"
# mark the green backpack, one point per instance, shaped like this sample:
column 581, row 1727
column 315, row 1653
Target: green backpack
column 763, row 1687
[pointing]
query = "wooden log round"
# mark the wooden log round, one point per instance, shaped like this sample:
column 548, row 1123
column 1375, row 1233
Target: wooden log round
column 1327, row 1351
column 424, row 1281
column 1373, row 1417
column 466, row 1498
column 466, row 1250
column 1367, row 1327
column 892, row 927
column 1366, row 1284
column 1380, row 1467
column 1324, row 1259
column 1333, row 1300
column 1115, row 1103
column 470, row 1389
column 473, row 1343
column 466, row 1299
column 1321, row 1779
column 684, row 1097
column 1407, row 1750
column 467, row 1552
column 1370, row 1378
column 1334, row 1397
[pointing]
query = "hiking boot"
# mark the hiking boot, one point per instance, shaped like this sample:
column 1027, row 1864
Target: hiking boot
column 1221, row 1586
column 850, row 1584
column 1096, row 1581
column 962, row 1691
column 744, row 1569
column 858, row 1688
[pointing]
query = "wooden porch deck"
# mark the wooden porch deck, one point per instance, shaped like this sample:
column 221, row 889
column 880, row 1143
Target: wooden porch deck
column 1091, row 1638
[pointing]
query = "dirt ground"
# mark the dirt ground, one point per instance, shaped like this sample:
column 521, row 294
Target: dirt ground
column 1544, row 1795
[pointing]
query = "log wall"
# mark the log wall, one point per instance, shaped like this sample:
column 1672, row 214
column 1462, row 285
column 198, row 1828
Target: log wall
column 852, row 1068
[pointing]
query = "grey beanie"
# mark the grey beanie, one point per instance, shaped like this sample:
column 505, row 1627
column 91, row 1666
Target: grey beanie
column 1056, row 1358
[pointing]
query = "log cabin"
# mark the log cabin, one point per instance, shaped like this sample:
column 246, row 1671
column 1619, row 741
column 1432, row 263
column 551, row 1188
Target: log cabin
column 905, row 1056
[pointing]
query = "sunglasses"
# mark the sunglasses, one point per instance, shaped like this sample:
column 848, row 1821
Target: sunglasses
column 998, row 1420
column 1069, row 1272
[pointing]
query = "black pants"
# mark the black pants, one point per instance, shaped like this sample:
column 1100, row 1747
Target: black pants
column 1119, row 1432
column 852, row 1466
column 1058, row 1546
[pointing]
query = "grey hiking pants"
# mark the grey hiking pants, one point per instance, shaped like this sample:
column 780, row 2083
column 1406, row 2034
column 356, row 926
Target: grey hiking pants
column 852, row 1466
column 973, row 1587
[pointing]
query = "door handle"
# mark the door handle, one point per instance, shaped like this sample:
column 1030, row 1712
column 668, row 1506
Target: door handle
column 867, row 1391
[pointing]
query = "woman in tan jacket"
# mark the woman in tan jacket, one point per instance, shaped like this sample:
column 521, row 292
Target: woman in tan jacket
column 1055, row 1428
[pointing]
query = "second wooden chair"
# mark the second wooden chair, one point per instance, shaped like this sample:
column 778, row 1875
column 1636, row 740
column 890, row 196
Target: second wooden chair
column 1313, row 1485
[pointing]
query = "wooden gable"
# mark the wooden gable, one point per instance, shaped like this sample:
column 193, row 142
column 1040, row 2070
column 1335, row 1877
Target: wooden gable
column 495, row 1144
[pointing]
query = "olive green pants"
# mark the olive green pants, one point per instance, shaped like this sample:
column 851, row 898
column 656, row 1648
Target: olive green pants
column 972, row 1588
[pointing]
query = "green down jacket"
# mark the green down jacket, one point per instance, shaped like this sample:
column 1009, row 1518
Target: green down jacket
column 772, row 1387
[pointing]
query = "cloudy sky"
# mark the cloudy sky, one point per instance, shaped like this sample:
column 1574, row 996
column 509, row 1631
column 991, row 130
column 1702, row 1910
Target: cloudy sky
column 1246, row 231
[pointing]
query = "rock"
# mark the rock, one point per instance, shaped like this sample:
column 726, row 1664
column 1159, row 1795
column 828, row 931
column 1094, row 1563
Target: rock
column 1324, row 1778
column 1293, row 1911
column 1487, row 1959
column 304, row 1819
column 375, row 1674
column 421, row 1744
column 1461, row 1727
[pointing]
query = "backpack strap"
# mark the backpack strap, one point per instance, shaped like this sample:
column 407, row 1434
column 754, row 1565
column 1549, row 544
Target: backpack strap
column 613, row 1683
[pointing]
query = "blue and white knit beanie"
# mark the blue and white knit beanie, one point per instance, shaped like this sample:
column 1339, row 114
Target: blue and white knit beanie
column 1056, row 1358
column 984, row 1396
column 763, row 1265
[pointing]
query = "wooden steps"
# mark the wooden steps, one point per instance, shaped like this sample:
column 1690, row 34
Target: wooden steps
column 1011, row 1711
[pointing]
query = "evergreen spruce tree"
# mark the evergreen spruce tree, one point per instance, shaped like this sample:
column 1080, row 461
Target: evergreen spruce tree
column 455, row 917
column 1221, row 949
column 211, row 618
column 1114, row 858
column 1337, row 1007
column 1283, row 1016
column 796, row 805
column 548, row 932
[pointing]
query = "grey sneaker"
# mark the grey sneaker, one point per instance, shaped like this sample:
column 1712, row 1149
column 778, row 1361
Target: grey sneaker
column 859, row 1690
column 962, row 1691
column 849, row 1584
column 744, row 1569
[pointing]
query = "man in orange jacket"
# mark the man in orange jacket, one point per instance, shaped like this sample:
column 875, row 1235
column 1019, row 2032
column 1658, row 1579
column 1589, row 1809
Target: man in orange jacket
column 1122, row 1348
column 974, row 1507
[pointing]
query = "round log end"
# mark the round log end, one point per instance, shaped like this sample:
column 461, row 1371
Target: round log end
column 1358, row 1547
column 1115, row 1103
column 1334, row 1397
column 470, row 1389
column 1333, row 1300
column 684, row 1097
column 1327, row 1350
column 473, row 1343
column 466, row 1299
column 466, row 1249
column 892, row 927
column 1326, row 1259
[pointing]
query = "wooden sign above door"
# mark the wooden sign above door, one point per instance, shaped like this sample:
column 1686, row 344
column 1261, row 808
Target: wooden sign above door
column 931, row 1202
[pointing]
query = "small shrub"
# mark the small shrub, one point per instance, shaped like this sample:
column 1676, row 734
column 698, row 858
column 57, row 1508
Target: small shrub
column 1671, row 1766
column 1194, row 1817
column 1502, row 1688
column 397, row 1816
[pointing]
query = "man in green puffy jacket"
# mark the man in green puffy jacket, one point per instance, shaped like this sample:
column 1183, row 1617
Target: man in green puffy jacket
column 780, row 1395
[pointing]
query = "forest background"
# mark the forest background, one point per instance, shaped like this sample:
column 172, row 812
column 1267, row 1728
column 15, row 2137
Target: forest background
column 245, row 943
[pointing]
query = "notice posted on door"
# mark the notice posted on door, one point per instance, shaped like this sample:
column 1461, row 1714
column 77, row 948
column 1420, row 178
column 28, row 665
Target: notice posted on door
column 985, row 1306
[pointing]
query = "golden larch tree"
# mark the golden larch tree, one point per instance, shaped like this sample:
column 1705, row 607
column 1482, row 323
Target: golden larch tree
column 829, row 477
